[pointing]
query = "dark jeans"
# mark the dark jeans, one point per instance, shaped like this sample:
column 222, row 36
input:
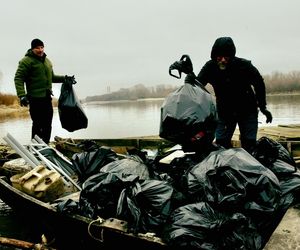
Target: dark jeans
column 248, row 125
column 41, row 112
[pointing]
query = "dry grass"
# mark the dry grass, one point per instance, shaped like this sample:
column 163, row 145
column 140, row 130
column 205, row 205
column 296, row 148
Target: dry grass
column 12, row 112
column 10, row 108
column 8, row 100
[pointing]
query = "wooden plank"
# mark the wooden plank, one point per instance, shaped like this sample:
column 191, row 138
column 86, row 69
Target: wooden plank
column 138, row 142
column 21, row 244
column 290, row 125
column 16, row 243
column 280, row 133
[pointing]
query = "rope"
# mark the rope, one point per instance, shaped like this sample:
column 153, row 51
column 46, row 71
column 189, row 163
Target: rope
column 100, row 220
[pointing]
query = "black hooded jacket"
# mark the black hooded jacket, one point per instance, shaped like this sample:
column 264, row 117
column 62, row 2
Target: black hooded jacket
column 239, row 89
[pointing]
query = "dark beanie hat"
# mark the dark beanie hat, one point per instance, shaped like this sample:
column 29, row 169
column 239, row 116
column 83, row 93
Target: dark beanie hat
column 36, row 42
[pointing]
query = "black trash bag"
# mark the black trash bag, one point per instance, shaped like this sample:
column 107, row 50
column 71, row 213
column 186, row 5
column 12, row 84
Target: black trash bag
column 71, row 114
column 291, row 184
column 100, row 194
column 90, row 162
column 280, row 161
column 199, row 226
column 267, row 151
column 233, row 179
column 88, row 145
column 146, row 205
column 127, row 166
column 188, row 116
column 68, row 206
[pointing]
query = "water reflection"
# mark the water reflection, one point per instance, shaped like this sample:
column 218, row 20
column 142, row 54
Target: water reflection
column 285, row 108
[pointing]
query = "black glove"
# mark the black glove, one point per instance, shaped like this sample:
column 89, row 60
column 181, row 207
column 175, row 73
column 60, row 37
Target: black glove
column 24, row 101
column 190, row 78
column 268, row 115
column 49, row 92
column 70, row 79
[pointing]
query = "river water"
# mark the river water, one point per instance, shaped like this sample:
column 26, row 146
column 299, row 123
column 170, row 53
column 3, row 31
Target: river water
column 116, row 120
column 137, row 118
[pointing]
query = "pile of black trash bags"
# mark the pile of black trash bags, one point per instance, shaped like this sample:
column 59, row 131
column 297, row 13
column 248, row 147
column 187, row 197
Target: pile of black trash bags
column 215, row 198
column 228, row 199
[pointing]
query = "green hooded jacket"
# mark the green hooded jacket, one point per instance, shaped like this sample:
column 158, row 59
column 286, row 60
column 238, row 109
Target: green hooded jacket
column 37, row 74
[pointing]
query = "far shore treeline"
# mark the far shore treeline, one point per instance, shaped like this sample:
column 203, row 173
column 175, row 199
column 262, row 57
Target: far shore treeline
column 276, row 83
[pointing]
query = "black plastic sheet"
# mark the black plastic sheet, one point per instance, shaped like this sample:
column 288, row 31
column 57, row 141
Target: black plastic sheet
column 60, row 162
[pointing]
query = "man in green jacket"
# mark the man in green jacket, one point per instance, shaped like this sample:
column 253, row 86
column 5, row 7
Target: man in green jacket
column 33, row 82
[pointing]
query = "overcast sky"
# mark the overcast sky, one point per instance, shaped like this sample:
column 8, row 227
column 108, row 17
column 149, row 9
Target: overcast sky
column 121, row 43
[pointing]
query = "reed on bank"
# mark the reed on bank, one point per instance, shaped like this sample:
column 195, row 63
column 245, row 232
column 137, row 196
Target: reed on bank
column 10, row 107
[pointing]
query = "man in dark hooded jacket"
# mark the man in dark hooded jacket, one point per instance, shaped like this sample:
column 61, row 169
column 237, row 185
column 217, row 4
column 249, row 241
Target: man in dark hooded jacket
column 240, row 91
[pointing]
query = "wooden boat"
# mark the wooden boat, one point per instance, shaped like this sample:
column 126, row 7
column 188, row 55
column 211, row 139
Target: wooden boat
column 73, row 231
column 69, row 146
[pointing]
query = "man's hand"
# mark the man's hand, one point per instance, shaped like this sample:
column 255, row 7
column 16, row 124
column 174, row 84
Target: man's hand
column 70, row 79
column 24, row 101
column 268, row 115
column 190, row 78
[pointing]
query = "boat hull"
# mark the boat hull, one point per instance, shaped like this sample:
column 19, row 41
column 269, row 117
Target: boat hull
column 73, row 231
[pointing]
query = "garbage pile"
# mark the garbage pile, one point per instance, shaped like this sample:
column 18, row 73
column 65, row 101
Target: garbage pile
column 230, row 199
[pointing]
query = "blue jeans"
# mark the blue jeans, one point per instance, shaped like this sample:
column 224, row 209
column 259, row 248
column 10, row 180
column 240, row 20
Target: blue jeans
column 248, row 125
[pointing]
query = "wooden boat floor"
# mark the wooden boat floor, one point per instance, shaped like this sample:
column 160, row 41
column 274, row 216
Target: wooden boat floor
column 290, row 132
